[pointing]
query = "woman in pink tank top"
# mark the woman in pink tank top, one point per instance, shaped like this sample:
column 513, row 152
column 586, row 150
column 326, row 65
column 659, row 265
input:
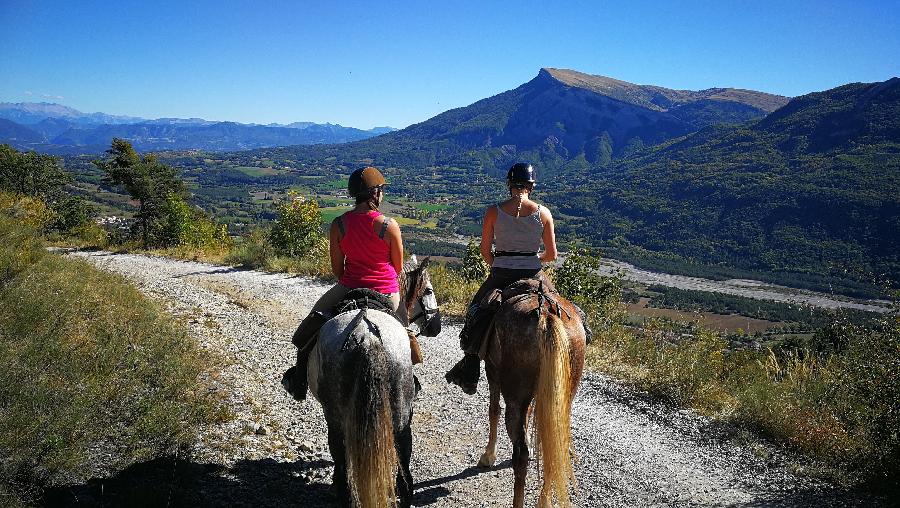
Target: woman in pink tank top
column 366, row 251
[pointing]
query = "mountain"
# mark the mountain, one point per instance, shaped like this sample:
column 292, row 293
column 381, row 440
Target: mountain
column 18, row 133
column 813, row 188
column 63, row 130
column 558, row 116
column 28, row 113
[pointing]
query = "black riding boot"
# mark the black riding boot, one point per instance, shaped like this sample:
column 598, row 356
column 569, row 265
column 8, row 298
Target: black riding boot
column 295, row 379
column 466, row 372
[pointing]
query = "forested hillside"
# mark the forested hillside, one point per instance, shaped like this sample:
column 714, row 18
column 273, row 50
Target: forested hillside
column 811, row 188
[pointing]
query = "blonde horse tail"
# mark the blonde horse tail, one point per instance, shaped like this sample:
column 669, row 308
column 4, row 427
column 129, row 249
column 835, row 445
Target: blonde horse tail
column 552, row 411
column 368, row 430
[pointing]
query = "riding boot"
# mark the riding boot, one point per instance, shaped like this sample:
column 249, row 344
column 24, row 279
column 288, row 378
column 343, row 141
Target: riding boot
column 295, row 379
column 466, row 372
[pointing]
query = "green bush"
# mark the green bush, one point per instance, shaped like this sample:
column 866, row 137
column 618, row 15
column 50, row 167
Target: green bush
column 474, row 268
column 95, row 376
column 298, row 226
column 579, row 280
column 187, row 226
column 252, row 250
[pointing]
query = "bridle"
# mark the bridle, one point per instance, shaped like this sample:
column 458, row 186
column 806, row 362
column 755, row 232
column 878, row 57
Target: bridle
column 427, row 303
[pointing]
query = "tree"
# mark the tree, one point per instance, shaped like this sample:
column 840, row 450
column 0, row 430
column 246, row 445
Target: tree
column 297, row 227
column 31, row 173
column 147, row 180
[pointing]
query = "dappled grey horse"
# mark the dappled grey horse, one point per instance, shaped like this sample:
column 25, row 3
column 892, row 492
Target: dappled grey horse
column 361, row 372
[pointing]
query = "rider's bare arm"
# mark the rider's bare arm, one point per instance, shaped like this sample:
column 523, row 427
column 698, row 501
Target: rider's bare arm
column 394, row 239
column 549, row 253
column 334, row 249
column 487, row 234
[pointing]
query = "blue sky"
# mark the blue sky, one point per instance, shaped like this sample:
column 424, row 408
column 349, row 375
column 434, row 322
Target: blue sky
column 366, row 64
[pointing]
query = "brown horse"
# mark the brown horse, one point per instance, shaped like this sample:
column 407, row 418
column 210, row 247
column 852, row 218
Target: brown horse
column 536, row 354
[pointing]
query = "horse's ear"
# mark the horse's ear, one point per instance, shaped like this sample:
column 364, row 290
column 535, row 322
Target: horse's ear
column 412, row 258
column 425, row 262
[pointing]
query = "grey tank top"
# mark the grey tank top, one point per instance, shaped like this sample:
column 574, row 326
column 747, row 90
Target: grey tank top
column 523, row 234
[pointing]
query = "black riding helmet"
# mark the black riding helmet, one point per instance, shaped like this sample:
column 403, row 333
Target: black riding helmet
column 520, row 172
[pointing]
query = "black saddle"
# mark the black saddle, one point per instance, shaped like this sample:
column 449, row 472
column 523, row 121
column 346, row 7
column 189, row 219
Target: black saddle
column 364, row 298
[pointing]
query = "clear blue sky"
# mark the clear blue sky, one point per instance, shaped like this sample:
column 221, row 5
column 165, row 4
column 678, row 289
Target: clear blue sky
column 403, row 62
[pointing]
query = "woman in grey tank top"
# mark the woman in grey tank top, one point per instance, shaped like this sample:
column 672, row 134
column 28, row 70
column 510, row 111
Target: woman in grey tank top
column 515, row 229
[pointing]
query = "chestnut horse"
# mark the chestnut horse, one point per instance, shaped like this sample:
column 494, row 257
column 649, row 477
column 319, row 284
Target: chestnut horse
column 536, row 353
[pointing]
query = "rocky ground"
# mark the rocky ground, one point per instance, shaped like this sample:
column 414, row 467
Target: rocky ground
column 631, row 450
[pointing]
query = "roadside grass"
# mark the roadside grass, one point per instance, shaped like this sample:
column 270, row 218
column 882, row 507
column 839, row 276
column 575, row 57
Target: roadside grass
column 841, row 407
column 96, row 377
column 452, row 289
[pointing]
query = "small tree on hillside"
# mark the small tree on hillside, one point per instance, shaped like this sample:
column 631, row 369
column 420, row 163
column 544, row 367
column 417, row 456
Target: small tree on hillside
column 474, row 268
column 298, row 226
column 147, row 180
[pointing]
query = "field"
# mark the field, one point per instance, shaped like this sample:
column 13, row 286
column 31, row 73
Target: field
column 719, row 322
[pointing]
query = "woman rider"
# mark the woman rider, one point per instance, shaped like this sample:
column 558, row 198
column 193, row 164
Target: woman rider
column 366, row 251
column 517, row 227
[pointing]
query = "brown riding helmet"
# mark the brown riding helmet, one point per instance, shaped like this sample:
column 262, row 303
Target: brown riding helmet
column 364, row 179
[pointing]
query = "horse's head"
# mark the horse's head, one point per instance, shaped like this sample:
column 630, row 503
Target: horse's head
column 417, row 298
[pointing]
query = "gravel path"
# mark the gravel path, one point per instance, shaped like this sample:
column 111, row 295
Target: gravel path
column 632, row 452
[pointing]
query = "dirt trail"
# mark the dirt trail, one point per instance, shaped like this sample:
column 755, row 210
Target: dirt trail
column 632, row 452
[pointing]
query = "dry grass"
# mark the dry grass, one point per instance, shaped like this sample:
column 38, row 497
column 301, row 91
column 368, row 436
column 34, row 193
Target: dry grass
column 96, row 377
column 841, row 407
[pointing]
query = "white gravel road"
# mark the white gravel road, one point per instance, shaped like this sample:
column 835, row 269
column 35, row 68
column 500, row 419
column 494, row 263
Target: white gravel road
column 631, row 451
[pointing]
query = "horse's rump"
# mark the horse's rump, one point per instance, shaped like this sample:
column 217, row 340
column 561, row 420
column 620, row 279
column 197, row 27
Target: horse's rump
column 335, row 340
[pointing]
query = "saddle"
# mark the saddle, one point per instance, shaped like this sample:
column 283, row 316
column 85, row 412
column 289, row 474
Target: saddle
column 364, row 298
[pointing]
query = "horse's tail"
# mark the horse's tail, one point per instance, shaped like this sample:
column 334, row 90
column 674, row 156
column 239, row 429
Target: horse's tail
column 552, row 408
column 368, row 428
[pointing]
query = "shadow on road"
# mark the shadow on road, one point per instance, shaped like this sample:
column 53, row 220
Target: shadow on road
column 428, row 492
column 167, row 482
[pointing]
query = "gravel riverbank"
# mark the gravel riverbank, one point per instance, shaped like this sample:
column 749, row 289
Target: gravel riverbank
column 631, row 451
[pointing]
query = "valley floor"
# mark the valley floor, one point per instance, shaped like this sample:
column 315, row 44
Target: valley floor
column 631, row 451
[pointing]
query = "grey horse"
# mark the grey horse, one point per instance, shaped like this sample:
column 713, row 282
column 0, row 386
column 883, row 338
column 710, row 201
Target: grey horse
column 361, row 372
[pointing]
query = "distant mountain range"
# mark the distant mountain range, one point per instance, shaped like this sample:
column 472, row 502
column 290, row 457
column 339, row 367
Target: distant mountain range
column 54, row 128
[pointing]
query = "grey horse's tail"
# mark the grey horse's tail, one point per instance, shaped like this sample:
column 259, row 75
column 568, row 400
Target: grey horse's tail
column 368, row 425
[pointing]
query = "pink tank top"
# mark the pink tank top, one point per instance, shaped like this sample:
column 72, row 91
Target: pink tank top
column 367, row 262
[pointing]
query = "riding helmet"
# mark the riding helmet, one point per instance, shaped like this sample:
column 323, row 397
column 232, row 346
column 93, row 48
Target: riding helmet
column 364, row 179
column 521, row 172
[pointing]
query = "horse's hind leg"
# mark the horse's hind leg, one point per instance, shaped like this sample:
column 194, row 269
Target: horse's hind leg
column 515, row 426
column 404, row 475
column 490, row 452
column 339, row 485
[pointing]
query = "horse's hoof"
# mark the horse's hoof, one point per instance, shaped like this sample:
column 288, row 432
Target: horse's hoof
column 487, row 460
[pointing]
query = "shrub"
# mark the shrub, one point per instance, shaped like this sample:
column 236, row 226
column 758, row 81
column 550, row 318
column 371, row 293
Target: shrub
column 187, row 226
column 298, row 226
column 95, row 376
column 474, row 268
column 252, row 250
column 579, row 280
